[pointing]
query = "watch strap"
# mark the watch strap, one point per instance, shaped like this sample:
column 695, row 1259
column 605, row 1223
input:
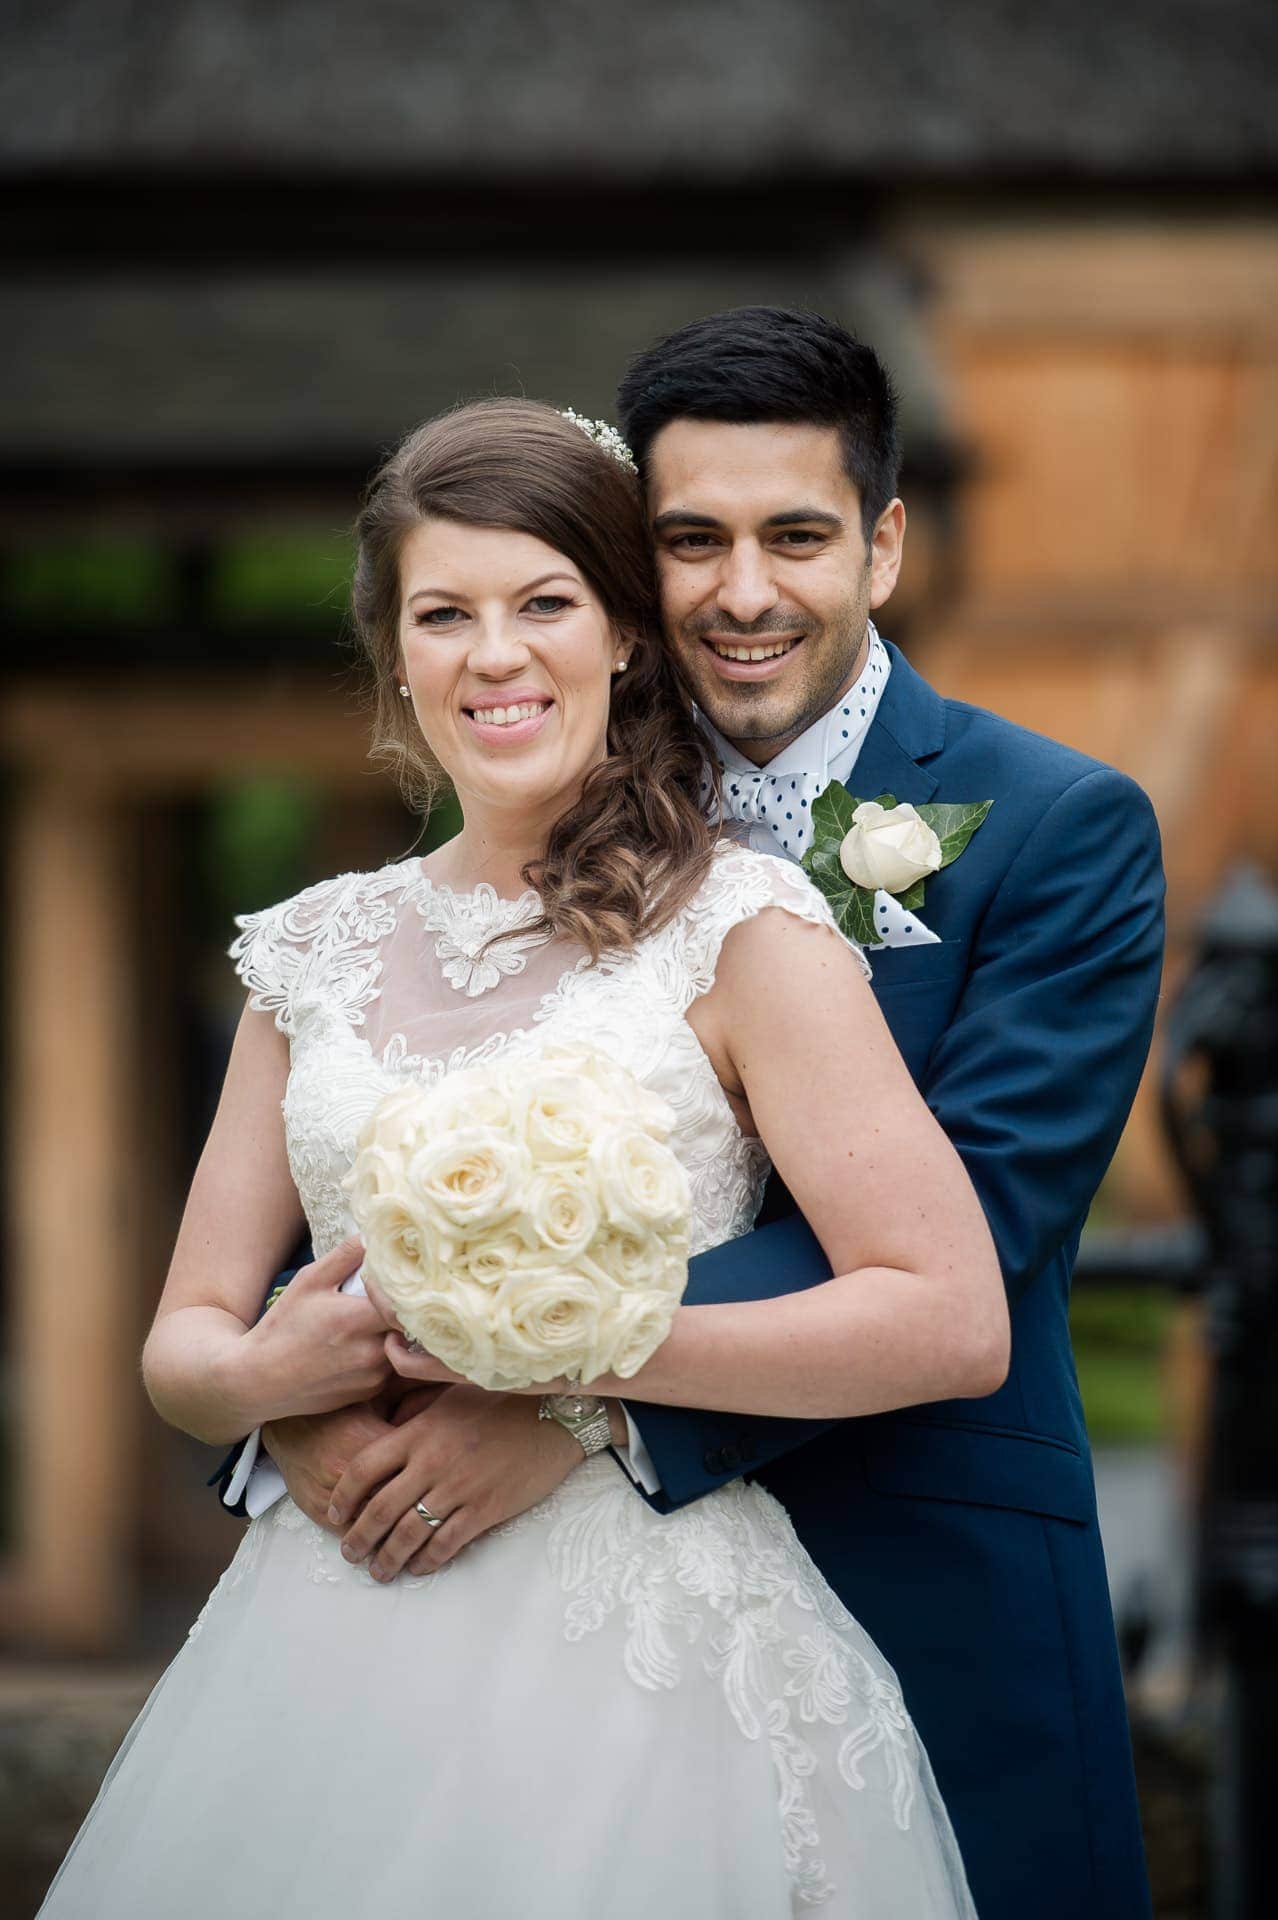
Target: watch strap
column 592, row 1428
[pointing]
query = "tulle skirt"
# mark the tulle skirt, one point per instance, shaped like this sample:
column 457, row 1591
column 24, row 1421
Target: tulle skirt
column 594, row 1711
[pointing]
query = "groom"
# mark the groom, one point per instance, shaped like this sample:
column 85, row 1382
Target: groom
column 963, row 1536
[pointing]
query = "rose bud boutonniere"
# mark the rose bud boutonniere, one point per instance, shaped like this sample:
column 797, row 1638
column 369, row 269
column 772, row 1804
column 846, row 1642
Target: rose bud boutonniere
column 861, row 848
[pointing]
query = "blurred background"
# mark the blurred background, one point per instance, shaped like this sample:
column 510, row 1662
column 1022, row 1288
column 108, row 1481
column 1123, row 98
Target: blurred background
column 247, row 248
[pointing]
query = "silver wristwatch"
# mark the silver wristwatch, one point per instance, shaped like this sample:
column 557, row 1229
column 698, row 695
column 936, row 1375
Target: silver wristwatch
column 584, row 1415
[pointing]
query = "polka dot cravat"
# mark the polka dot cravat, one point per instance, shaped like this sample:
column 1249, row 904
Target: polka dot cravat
column 781, row 802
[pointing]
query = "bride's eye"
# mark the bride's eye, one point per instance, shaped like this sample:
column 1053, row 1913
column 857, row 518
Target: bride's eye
column 438, row 617
column 549, row 603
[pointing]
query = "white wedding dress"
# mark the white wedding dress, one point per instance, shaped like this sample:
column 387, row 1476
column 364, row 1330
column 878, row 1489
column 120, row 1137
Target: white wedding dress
column 595, row 1710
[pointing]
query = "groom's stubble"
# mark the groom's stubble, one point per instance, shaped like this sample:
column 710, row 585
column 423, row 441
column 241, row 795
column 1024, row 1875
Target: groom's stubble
column 761, row 720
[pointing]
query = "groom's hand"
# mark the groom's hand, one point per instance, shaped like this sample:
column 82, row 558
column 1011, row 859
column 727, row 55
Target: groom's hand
column 313, row 1451
column 474, row 1458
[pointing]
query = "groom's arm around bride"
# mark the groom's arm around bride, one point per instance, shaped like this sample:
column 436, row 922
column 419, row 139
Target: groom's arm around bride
column 1027, row 1029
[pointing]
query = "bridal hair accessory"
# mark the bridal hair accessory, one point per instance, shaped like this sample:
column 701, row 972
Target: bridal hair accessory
column 526, row 1219
column 604, row 436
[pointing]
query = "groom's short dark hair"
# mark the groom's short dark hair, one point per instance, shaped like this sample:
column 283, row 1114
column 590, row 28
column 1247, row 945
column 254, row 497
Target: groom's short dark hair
column 757, row 364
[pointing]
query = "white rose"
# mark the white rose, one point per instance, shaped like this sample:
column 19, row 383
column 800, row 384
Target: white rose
column 635, row 1261
column 401, row 1245
column 374, row 1172
column 475, row 1097
column 395, row 1126
column 619, row 1092
column 633, row 1331
column 888, row 847
column 473, row 1179
column 562, row 1115
column 641, row 1183
column 454, row 1329
column 563, row 1212
column 492, row 1258
column 544, row 1323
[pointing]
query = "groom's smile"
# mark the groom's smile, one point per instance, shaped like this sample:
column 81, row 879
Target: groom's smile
column 767, row 580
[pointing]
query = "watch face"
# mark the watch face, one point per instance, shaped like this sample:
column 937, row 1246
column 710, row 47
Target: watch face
column 575, row 1406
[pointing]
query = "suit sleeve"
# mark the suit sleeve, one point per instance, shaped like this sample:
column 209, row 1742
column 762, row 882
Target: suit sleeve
column 1032, row 1080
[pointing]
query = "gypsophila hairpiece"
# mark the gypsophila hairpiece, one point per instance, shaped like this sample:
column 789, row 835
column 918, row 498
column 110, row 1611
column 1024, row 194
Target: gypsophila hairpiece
column 604, row 436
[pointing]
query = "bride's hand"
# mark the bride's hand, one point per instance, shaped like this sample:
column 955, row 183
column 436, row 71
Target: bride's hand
column 414, row 1363
column 409, row 1362
column 317, row 1348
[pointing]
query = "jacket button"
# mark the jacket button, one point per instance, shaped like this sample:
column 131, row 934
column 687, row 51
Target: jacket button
column 731, row 1457
column 713, row 1461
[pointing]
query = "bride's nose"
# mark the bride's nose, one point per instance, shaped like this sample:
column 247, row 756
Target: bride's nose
column 497, row 647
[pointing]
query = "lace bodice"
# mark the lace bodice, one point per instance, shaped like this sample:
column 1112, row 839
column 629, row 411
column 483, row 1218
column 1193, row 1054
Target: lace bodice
column 378, row 977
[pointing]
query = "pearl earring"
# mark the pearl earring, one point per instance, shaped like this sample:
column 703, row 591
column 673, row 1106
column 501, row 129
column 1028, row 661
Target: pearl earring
column 620, row 666
column 403, row 690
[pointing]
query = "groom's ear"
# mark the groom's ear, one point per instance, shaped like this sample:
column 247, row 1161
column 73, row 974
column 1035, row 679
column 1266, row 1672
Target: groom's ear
column 886, row 547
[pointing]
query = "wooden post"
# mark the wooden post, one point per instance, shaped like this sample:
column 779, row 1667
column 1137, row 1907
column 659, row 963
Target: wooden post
column 71, row 1162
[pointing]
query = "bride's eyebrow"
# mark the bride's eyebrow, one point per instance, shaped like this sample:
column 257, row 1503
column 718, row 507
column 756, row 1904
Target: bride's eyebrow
column 448, row 593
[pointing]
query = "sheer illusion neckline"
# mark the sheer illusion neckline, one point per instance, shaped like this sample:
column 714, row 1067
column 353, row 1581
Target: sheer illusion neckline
column 465, row 920
column 482, row 893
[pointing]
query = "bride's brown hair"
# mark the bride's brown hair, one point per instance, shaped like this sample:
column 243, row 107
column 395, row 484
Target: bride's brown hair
column 636, row 845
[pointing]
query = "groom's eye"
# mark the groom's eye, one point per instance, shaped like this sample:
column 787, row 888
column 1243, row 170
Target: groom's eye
column 692, row 542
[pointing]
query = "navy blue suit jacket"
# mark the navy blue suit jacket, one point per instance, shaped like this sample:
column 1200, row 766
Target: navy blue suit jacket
column 963, row 1535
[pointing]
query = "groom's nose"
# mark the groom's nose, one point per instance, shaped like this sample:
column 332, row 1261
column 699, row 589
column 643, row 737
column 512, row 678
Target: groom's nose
column 746, row 585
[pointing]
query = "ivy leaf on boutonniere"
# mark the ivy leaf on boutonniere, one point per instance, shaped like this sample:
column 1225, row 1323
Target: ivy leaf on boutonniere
column 863, row 847
column 954, row 825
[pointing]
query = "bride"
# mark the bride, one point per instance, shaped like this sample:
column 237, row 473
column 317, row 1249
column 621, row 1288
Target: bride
column 594, row 1709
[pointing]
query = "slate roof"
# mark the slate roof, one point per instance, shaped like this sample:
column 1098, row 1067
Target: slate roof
column 652, row 89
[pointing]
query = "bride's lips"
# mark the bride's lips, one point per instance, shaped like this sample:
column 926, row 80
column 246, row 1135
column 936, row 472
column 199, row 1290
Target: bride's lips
column 752, row 669
column 508, row 733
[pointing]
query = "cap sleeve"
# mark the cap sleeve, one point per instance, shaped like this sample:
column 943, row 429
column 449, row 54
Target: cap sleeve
column 281, row 952
column 740, row 885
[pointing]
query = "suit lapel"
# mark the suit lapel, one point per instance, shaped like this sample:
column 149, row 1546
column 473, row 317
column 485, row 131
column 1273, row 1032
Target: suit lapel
column 909, row 727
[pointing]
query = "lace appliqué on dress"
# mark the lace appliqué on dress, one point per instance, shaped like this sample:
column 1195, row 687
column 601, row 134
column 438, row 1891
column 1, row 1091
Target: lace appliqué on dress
column 743, row 883
column 464, row 922
column 318, row 948
column 721, row 1573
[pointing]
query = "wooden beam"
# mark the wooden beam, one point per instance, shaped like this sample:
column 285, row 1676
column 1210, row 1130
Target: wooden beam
column 71, row 1165
column 1072, row 279
column 144, row 735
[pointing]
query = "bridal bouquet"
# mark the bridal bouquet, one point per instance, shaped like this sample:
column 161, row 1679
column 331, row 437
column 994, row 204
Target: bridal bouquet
column 526, row 1218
